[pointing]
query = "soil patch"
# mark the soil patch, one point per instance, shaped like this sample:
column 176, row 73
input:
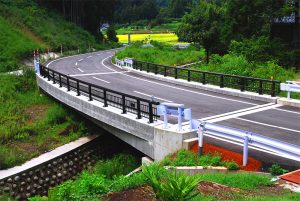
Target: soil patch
column 36, row 112
column 253, row 164
column 143, row 193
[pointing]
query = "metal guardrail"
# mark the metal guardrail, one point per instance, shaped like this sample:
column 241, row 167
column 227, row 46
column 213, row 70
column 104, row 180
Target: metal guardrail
column 290, row 86
column 277, row 147
column 260, row 86
column 127, row 103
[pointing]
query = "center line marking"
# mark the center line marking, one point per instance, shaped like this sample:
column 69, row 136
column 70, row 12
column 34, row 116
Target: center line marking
column 101, row 80
column 269, row 125
column 80, row 60
column 80, row 70
column 76, row 64
column 153, row 96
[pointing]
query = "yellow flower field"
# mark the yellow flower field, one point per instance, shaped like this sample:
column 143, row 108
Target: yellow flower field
column 170, row 38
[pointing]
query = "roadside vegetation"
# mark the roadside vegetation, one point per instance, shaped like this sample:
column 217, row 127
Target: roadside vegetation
column 161, row 53
column 106, row 180
column 30, row 122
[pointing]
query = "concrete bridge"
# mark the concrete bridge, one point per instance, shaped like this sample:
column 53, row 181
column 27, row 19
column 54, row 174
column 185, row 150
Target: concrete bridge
column 247, row 111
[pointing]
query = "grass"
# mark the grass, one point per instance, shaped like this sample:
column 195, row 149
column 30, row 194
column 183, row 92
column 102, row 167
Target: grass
column 104, row 178
column 169, row 38
column 30, row 123
column 161, row 54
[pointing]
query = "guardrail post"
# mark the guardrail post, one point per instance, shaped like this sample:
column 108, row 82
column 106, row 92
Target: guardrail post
column 222, row 81
column 139, row 115
column 123, row 104
column 165, row 71
column 203, row 78
column 155, row 70
column 148, row 67
column 200, row 132
column 60, row 83
column 53, row 77
column 189, row 75
column 90, row 93
column 273, row 93
column 150, row 112
column 176, row 73
column 68, row 83
column 260, row 89
column 245, row 151
column 242, row 80
column 78, row 90
column 180, row 114
column 104, row 98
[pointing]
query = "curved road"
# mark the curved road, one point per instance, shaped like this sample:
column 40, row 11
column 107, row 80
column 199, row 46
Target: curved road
column 280, row 122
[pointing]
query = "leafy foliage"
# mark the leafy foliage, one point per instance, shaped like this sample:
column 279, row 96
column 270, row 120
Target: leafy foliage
column 276, row 169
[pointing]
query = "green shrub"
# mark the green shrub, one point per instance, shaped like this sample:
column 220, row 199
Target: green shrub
column 276, row 169
column 122, row 182
column 170, row 186
column 231, row 165
column 120, row 164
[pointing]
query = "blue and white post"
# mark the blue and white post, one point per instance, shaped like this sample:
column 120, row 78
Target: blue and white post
column 180, row 113
column 245, row 151
column 36, row 62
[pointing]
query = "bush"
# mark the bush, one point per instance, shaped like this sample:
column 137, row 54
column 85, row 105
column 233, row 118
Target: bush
column 231, row 165
column 170, row 186
column 276, row 169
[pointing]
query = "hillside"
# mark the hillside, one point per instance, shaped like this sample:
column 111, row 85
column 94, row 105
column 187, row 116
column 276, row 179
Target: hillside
column 26, row 26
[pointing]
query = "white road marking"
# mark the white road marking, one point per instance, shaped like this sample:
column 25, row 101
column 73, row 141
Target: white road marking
column 242, row 113
column 106, row 73
column 80, row 70
column 269, row 125
column 80, row 60
column 98, row 54
column 76, row 64
column 287, row 111
column 154, row 96
column 101, row 80
column 102, row 62
column 89, row 57
column 229, row 99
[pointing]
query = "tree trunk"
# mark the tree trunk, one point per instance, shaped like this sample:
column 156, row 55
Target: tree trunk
column 207, row 55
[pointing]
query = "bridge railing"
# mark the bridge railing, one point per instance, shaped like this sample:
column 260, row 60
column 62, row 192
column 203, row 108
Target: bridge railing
column 127, row 103
column 257, row 85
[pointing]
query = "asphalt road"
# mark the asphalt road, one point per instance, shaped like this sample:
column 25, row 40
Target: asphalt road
column 279, row 122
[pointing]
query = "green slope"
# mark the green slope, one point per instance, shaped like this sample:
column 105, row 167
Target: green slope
column 26, row 26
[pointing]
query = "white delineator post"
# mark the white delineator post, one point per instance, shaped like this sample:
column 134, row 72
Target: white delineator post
column 245, row 151
column 200, row 132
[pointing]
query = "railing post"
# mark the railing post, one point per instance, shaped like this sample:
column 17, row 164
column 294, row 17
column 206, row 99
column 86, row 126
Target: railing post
column 60, row 83
column 176, row 73
column 48, row 74
column 148, row 67
column 189, row 76
column 90, row 93
column 245, row 151
column 139, row 115
column 165, row 71
column 260, row 89
column 156, row 69
column 222, row 81
column 78, row 90
column 203, row 78
column 242, row 80
column 150, row 112
column 200, row 133
column 104, row 98
column 273, row 92
column 68, row 83
column 53, row 77
column 123, row 104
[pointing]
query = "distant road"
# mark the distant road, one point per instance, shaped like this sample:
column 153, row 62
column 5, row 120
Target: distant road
column 268, row 119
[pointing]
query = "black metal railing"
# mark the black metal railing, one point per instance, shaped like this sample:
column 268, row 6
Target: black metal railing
column 260, row 86
column 127, row 103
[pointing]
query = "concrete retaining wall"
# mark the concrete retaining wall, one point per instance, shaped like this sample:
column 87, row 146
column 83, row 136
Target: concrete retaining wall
column 38, row 179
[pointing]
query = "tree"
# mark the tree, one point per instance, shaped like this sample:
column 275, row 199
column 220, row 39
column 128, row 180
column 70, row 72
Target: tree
column 203, row 26
column 111, row 34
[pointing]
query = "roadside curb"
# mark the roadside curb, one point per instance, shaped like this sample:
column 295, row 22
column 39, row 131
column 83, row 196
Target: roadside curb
column 289, row 102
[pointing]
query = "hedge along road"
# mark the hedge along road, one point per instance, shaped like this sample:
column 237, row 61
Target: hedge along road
column 268, row 119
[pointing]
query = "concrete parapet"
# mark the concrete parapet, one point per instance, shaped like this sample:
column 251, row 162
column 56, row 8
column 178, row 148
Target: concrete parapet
column 289, row 102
